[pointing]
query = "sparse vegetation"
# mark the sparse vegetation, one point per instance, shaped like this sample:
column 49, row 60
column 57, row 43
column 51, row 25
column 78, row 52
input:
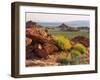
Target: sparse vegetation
column 75, row 53
column 55, row 47
column 63, row 42
column 80, row 47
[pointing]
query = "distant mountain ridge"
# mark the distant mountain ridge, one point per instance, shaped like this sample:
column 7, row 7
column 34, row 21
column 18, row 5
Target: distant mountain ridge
column 79, row 23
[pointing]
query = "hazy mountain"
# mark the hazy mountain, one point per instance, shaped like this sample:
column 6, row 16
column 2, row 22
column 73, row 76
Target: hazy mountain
column 79, row 23
column 49, row 24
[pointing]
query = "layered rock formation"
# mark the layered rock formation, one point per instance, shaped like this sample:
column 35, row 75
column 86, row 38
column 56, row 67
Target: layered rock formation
column 39, row 44
column 82, row 40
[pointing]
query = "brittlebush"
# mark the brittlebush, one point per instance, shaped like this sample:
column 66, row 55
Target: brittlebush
column 63, row 42
column 80, row 47
column 65, row 58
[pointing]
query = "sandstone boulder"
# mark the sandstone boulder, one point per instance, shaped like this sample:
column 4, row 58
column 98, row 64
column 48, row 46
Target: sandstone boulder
column 82, row 40
column 28, row 41
column 39, row 43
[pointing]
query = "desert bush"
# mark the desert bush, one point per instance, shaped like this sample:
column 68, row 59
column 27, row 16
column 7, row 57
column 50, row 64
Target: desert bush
column 63, row 42
column 65, row 58
column 75, row 56
column 64, row 61
column 75, row 53
column 80, row 47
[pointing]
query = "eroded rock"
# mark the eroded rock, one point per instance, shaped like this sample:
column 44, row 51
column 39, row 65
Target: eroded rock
column 82, row 40
column 28, row 41
column 39, row 43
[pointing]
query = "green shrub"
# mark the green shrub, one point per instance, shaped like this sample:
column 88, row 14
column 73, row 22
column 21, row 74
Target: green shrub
column 80, row 47
column 69, row 57
column 65, row 58
column 64, row 61
column 75, row 56
column 75, row 53
column 63, row 42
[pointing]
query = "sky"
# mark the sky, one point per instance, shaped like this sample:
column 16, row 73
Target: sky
column 44, row 17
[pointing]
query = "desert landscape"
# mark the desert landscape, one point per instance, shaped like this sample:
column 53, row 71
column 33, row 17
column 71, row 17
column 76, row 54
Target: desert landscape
column 56, row 46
